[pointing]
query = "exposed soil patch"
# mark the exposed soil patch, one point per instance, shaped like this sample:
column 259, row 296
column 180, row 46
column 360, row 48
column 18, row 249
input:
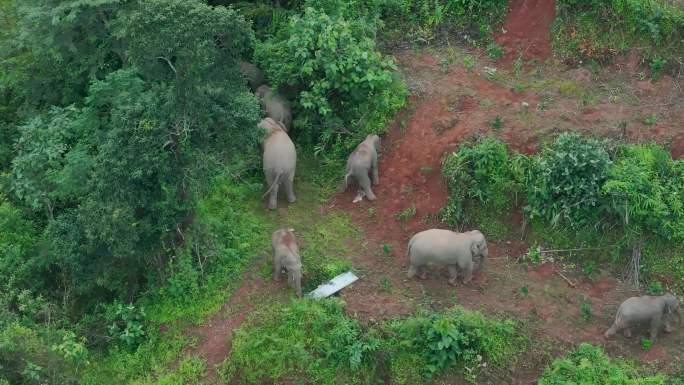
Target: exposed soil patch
column 526, row 30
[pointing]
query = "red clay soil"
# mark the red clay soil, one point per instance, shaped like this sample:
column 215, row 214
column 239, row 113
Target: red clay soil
column 526, row 30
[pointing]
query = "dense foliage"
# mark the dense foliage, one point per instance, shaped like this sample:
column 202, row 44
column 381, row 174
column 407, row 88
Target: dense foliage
column 600, row 29
column 590, row 366
column 317, row 341
column 563, row 182
column 341, row 84
column 634, row 197
column 481, row 173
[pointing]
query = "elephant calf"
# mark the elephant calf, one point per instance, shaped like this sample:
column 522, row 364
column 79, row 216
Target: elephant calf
column 654, row 311
column 361, row 162
column 286, row 257
column 276, row 106
column 253, row 74
column 280, row 161
column 466, row 251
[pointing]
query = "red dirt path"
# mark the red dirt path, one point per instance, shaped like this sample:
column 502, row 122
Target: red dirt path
column 526, row 30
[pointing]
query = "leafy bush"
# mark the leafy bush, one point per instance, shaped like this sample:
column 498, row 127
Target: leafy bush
column 342, row 85
column 646, row 188
column 423, row 19
column 481, row 172
column 310, row 339
column 599, row 30
column 588, row 365
column 457, row 338
column 127, row 324
column 563, row 183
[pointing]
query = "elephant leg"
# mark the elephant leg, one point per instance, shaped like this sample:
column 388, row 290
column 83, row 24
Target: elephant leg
column 289, row 189
column 655, row 326
column 423, row 272
column 273, row 197
column 364, row 182
column 468, row 272
column 668, row 327
column 374, row 169
column 453, row 274
column 627, row 332
column 278, row 267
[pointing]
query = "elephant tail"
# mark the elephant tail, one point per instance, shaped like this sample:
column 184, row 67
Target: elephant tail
column 275, row 183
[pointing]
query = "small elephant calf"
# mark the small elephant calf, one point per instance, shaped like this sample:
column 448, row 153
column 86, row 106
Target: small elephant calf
column 653, row 311
column 286, row 257
column 361, row 162
column 465, row 251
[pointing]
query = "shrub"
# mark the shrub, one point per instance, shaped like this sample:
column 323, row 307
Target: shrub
column 479, row 171
column 588, row 365
column 600, row 29
column 423, row 19
column 343, row 87
column 646, row 189
column 563, row 183
column 310, row 339
column 457, row 338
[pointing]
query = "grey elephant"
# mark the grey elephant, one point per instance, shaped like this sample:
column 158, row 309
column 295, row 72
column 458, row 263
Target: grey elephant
column 654, row 311
column 275, row 106
column 464, row 251
column 361, row 162
column 280, row 161
column 253, row 74
column 286, row 257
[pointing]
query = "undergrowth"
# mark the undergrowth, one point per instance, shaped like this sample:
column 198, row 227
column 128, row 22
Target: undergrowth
column 316, row 341
column 599, row 30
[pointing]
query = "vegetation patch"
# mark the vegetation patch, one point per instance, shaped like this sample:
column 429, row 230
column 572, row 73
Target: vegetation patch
column 599, row 30
column 589, row 365
column 316, row 341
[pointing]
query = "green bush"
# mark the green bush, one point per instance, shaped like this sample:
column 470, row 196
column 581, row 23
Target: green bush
column 599, row 30
column 588, row 365
column 342, row 86
column 563, row 182
column 646, row 188
column 481, row 172
column 308, row 339
column 424, row 19
column 455, row 338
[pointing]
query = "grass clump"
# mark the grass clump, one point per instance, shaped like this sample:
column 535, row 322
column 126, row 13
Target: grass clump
column 308, row 339
column 457, row 338
column 482, row 173
column 589, row 365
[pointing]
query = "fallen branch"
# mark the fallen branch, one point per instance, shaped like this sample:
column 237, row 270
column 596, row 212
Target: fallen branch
column 578, row 249
column 572, row 284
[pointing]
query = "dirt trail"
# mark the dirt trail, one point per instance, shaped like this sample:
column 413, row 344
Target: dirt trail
column 442, row 116
column 526, row 30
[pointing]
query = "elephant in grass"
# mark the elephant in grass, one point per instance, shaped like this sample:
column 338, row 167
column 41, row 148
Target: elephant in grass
column 653, row 311
column 276, row 106
column 286, row 257
column 280, row 161
column 465, row 251
column 253, row 74
column 361, row 162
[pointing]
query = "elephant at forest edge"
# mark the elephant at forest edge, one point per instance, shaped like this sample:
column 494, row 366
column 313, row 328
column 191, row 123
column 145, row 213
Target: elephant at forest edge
column 253, row 74
column 654, row 311
column 458, row 251
column 276, row 106
column 280, row 161
column 286, row 257
column 361, row 162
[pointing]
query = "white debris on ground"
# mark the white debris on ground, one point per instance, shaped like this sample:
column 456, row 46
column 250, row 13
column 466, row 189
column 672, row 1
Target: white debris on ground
column 359, row 196
column 333, row 286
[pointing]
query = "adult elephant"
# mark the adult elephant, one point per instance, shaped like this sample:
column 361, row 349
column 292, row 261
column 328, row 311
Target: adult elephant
column 653, row 311
column 279, row 160
column 464, row 251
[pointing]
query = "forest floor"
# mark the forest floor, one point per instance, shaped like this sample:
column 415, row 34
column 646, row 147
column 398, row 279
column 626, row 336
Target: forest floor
column 452, row 101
